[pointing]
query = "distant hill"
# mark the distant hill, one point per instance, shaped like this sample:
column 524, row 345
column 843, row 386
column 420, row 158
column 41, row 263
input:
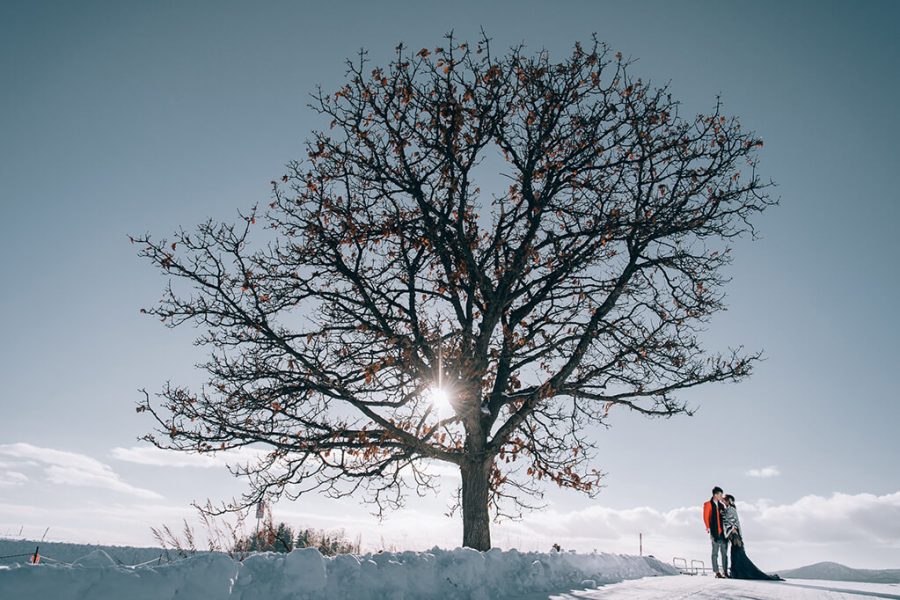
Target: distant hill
column 837, row 572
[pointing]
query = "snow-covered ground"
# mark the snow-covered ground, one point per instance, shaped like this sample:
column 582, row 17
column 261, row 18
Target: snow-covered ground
column 708, row 588
column 462, row 574
column 68, row 552
column 437, row 574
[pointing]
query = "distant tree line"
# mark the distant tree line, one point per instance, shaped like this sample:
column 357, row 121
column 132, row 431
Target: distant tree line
column 233, row 539
column 283, row 538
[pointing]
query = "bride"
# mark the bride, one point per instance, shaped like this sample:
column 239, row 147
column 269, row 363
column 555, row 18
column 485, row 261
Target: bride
column 741, row 566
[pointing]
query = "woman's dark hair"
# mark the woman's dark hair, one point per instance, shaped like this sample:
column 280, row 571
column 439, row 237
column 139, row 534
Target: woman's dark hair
column 730, row 499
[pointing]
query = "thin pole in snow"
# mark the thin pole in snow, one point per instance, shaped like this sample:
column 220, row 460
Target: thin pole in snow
column 641, row 542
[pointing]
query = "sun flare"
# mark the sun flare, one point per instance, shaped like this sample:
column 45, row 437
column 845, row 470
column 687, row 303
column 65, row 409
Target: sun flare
column 440, row 398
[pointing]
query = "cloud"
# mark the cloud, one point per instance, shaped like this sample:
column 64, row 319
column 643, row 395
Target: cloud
column 125, row 523
column 861, row 530
column 847, row 528
column 610, row 524
column 764, row 472
column 151, row 455
column 811, row 519
column 835, row 519
column 72, row 468
column 11, row 478
column 438, row 469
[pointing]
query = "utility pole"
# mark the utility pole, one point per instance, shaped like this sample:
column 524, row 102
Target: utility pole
column 641, row 543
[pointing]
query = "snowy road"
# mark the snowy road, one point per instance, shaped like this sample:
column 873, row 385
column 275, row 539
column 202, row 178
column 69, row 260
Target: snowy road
column 703, row 588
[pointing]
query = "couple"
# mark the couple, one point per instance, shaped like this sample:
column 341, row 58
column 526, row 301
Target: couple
column 723, row 526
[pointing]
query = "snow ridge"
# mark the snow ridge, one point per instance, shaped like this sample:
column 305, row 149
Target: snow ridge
column 305, row 574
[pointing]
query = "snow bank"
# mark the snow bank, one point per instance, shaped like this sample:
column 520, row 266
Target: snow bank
column 304, row 574
column 68, row 552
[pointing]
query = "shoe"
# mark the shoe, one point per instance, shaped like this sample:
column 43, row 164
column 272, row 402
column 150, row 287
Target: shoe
column 719, row 576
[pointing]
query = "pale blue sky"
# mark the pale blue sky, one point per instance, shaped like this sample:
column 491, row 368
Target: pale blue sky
column 118, row 118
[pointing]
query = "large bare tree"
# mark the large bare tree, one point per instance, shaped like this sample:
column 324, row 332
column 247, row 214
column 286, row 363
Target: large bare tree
column 386, row 281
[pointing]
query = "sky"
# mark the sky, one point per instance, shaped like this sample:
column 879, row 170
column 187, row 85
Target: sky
column 120, row 118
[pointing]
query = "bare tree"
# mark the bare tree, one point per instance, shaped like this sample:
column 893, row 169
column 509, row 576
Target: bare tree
column 389, row 279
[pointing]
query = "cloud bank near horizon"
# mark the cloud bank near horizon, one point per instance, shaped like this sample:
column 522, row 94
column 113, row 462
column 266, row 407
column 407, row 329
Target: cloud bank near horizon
column 814, row 519
column 861, row 530
column 65, row 468
column 842, row 527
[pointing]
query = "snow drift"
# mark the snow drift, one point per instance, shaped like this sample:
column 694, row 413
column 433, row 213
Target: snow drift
column 68, row 552
column 304, row 574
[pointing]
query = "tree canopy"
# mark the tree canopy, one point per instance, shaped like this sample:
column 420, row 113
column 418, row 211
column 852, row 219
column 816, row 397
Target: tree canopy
column 389, row 279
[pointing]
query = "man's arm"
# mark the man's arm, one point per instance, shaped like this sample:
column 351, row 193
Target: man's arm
column 707, row 509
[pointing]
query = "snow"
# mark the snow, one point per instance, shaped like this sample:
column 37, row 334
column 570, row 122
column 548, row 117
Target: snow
column 97, row 558
column 889, row 590
column 709, row 588
column 69, row 552
column 461, row 573
column 458, row 574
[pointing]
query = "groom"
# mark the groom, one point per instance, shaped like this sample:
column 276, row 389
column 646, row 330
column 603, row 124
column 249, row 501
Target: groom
column 712, row 517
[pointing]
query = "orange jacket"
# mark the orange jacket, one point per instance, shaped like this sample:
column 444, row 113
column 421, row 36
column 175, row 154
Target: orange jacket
column 707, row 513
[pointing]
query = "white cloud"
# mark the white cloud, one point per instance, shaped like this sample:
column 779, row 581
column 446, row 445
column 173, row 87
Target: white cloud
column 861, row 530
column 764, row 472
column 856, row 529
column 151, row 455
column 838, row 518
column 71, row 468
column 812, row 519
column 11, row 478
column 438, row 469
column 599, row 523
column 109, row 522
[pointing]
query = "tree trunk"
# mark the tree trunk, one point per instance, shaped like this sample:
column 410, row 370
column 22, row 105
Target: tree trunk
column 475, row 494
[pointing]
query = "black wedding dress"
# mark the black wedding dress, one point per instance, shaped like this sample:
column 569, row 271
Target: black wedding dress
column 741, row 566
